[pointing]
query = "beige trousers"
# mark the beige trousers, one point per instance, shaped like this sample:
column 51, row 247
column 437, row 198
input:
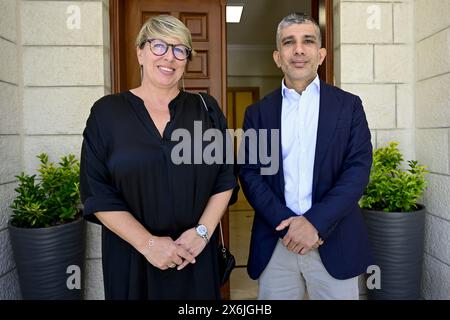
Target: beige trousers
column 290, row 276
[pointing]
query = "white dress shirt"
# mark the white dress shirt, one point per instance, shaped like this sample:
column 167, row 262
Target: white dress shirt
column 299, row 121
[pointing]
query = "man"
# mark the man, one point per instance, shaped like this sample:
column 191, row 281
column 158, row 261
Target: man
column 312, row 200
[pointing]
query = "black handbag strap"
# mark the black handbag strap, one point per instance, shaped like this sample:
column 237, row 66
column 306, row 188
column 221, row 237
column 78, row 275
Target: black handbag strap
column 221, row 233
column 211, row 113
column 214, row 122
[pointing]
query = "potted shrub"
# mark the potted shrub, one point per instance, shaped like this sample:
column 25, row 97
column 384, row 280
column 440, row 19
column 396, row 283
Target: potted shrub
column 395, row 222
column 47, row 231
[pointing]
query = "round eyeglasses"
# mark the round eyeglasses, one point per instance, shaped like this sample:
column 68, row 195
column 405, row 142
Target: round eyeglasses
column 159, row 48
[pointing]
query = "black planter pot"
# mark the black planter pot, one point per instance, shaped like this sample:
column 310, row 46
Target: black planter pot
column 397, row 241
column 43, row 256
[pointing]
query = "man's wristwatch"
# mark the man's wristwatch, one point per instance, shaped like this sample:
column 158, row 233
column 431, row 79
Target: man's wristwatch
column 202, row 231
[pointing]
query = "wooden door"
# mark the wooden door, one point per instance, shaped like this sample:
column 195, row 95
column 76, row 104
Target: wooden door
column 206, row 72
column 206, row 21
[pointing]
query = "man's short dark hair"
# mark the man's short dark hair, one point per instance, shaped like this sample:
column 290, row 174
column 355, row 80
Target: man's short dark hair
column 297, row 18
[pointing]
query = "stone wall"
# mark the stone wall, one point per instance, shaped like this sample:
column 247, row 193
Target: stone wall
column 432, row 36
column 374, row 51
column 10, row 138
column 54, row 63
column 374, row 59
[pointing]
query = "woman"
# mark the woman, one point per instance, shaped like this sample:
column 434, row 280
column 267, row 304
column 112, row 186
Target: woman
column 157, row 216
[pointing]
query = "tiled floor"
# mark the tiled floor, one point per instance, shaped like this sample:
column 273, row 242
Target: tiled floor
column 241, row 286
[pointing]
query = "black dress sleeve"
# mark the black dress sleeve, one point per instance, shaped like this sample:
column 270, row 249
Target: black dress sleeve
column 226, row 179
column 96, row 189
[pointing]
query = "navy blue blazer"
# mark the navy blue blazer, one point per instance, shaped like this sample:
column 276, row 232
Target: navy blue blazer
column 341, row 172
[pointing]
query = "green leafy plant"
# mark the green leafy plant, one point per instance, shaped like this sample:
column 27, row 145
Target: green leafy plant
column 52, row 199
column 390, row 188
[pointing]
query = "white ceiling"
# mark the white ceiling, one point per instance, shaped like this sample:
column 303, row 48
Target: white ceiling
column 260, row 19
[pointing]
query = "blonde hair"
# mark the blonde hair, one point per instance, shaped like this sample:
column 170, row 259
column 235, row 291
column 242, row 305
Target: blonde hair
column 162, row 26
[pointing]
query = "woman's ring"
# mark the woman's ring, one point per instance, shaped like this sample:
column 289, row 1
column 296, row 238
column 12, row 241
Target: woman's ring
column 173, row 265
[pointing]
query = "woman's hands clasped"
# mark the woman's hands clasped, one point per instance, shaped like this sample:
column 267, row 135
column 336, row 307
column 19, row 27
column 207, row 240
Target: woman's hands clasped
column 165, row 253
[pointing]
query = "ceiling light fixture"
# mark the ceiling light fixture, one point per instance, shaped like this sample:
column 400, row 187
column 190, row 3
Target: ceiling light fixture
column 234, row 13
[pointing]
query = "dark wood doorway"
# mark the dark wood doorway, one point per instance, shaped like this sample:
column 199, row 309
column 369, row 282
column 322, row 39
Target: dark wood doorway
column 322, row 12
column 205, row 20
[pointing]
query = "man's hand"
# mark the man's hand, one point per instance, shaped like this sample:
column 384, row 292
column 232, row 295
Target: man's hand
column 301, row 237
column 318, row 243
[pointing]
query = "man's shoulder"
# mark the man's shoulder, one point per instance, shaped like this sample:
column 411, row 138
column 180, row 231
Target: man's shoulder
column 267, row 101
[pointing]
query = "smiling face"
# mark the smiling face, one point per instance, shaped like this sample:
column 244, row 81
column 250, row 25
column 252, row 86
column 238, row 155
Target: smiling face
column 299, row 54
column 161, row 71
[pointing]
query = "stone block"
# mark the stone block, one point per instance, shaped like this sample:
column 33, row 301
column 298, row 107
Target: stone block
column 62, row 23
column 433, row 102
column 63, row 66
column 9, row 286
column 431, row 16
column 7, row 262
column 8, row 62
column 432, row 147
column 55, row 146
column 378, row 102
column 337, row 67
column 7, row 195
column 8, row 20
column 10, row 158
column 433, row 55
column 403, row 26
column 436, row 197
column 436, row 279
column 366, row 22
column 93, row 284
column 405, row 106
column 356, row 63
column 405, row 138
column 437, row 238
column 93, row 241
column 393, row 63
column 65, row 108
column 9, row 109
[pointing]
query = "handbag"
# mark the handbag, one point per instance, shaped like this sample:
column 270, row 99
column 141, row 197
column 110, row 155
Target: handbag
column 226, row 260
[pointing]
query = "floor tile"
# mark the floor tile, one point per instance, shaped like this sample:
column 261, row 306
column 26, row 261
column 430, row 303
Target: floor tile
column 240, row 229
column 242, row 287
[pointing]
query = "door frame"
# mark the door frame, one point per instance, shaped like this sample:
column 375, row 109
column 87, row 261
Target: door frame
column 322, row 12
column 255, row 97
column 117, row 23
column 116, row 31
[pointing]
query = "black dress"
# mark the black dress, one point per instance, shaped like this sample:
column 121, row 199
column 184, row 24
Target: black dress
column 126, row 166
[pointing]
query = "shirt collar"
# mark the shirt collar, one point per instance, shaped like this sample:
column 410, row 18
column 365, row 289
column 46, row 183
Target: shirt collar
column 286, row 91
